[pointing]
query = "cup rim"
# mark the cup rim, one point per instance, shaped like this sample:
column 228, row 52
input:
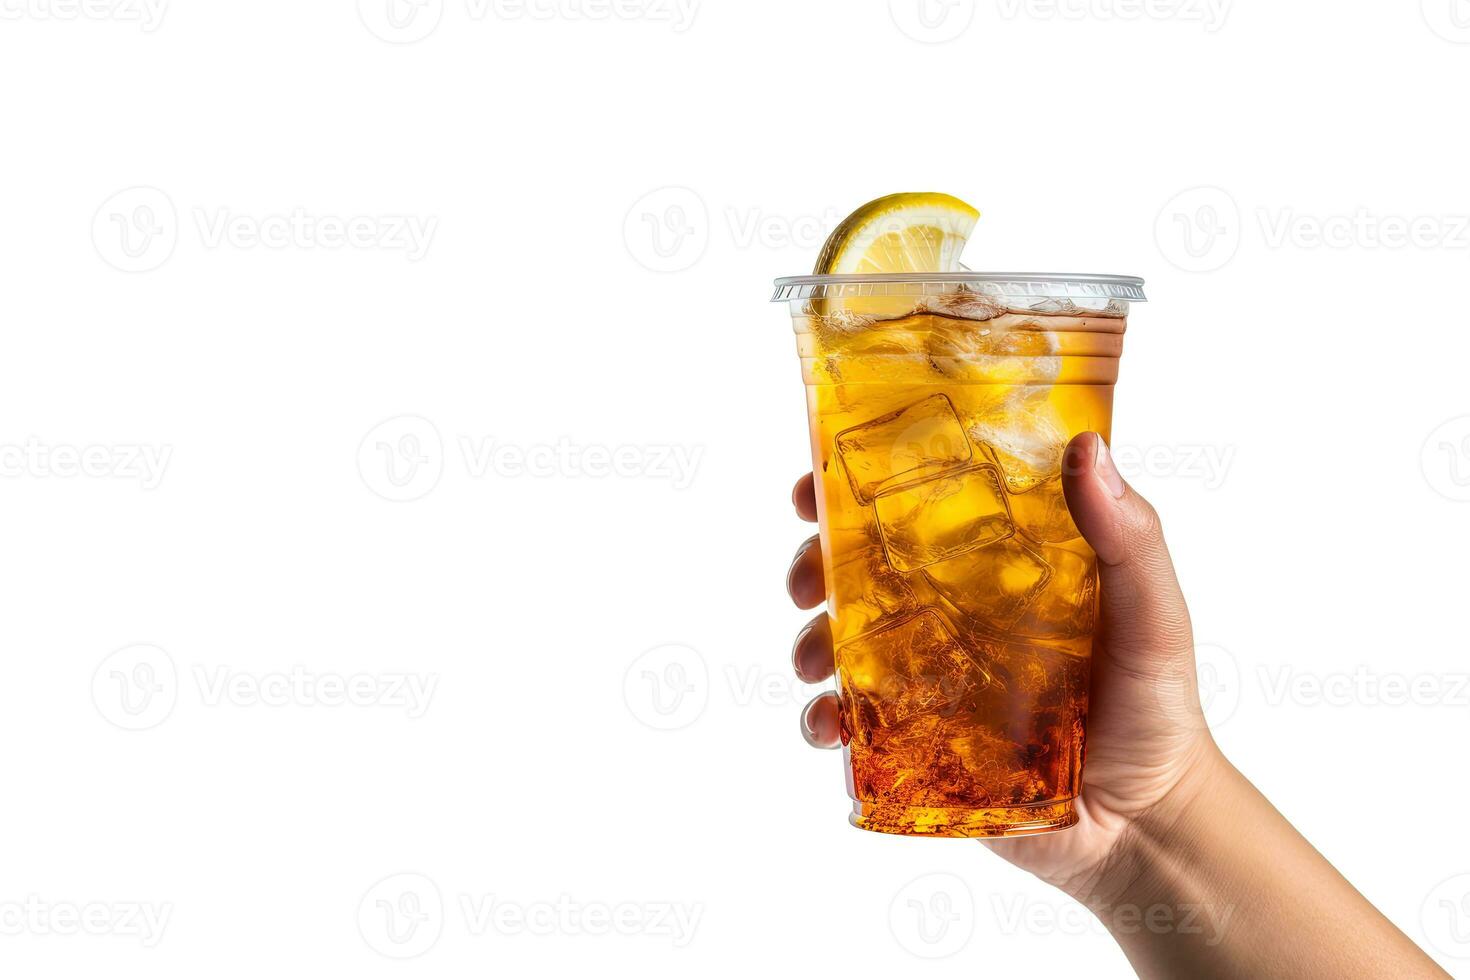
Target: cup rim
column 1005, row 283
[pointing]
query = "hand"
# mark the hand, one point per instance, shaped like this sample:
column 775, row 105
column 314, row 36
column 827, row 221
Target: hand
column 1164, row 821
column 1146, row 739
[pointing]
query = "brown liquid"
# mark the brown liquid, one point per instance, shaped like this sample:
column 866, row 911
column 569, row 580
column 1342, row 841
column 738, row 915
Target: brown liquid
column 962, row 597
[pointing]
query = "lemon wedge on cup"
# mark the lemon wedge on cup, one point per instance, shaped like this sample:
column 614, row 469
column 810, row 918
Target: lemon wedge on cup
column 913, row 232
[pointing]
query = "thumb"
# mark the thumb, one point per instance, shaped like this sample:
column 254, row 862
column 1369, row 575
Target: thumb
column 1145, row 624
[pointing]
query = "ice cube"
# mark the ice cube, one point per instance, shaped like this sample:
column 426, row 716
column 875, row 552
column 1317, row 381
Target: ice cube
column 897, row 337
column 963, row 305
column 909, row 668
column 1041, row 512
column 992, row 585
column 936, row 519
column 922, row 440
column 1067, row 607
column 1004, row 350
column 1052, row 306
column 865, row 591
column 1025, row 437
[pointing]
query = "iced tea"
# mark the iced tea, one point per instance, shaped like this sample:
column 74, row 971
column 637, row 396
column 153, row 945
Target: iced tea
column 962, row 597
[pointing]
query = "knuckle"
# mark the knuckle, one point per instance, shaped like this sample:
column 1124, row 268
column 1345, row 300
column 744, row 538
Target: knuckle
column 1148, row 526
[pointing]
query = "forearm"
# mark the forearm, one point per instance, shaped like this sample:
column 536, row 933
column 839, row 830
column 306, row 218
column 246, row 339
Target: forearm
column 1216, row 883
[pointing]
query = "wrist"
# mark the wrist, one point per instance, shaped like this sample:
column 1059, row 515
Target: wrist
column 1212, row 874
column 1156, row 843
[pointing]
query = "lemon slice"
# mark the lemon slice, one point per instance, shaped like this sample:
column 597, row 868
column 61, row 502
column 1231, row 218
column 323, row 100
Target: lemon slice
column 914, row 232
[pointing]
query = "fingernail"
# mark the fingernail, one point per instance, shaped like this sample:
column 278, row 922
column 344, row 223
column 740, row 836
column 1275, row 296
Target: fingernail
column 1075, row 461
column 1111, row 478
column 796, row 648
column 806, row 726
column 796, row 561
column 802, row 549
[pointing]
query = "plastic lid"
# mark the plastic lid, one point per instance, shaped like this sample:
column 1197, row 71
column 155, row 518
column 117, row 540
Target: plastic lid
column 1041, row 284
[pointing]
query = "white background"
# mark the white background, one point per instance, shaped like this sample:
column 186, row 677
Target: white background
column 564, row 302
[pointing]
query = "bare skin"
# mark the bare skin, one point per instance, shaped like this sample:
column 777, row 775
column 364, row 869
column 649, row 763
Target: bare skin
column 1168, row 828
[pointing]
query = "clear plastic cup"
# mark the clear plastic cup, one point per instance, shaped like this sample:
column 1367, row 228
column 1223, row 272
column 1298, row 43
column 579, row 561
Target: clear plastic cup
column 962, row 598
